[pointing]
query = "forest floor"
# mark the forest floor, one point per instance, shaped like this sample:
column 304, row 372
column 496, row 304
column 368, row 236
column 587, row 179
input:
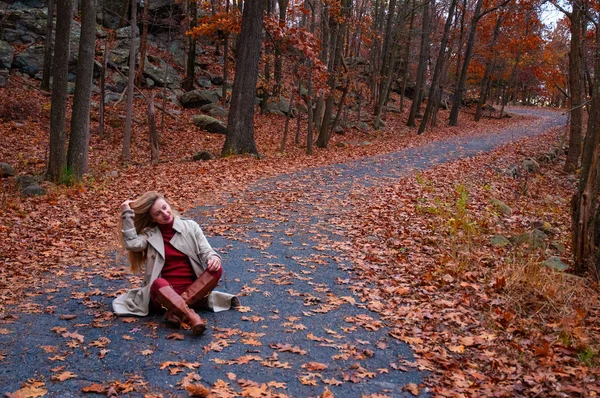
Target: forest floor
column 363, row 270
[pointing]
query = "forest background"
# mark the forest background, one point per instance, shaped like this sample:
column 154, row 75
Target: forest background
column 94, row 111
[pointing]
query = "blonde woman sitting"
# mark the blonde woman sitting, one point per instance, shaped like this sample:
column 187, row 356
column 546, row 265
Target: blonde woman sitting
column 180, row 267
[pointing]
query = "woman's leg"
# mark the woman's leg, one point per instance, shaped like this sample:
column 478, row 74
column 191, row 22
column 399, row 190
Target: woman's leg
column 196, row 295
column 159, row 283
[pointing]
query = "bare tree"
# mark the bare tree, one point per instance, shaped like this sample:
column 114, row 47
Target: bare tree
column 79, row 138
column 240, row 123
column 57, row 160
column 48, row 48
column 126, row 154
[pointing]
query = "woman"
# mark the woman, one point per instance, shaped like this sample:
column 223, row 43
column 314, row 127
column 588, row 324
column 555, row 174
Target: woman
column 172, row 251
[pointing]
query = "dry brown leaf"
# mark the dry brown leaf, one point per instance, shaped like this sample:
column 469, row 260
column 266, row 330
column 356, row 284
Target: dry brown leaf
column 412, row 388
column 314, row 366
column 64, row 376
column 175, row 336
column 28, row 392
column 94, row 388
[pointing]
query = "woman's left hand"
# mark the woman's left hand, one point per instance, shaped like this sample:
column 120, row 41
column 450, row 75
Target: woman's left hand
column 213, row 264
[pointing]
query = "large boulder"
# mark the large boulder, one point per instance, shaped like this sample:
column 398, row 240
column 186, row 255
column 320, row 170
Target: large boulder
column 30, row 60
column 501, row 207
column 7, row 54
column 198, row 98
column 6, row 170
column 210, row 124
column 29, row 186
column 161, row 72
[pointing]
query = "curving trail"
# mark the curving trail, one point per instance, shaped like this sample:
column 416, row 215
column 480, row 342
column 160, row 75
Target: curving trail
column 284, row 250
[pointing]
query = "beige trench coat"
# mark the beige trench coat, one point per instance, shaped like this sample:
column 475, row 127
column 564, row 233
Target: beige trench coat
column 188, row 239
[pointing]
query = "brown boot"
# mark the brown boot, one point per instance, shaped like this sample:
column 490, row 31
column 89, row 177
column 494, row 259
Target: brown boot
column 168, row 298
column 172, row 320
column 197, row 293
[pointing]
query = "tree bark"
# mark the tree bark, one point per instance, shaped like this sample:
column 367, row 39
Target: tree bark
column 126, row 154
column 154, row 151
column 240, row 123
column 434, row 90
column 101, row 131
column 188, row 82
column 143, row 44
column 423, row 55
column 57, row 160
column 488, row 71
column 79, row 138
column 576, row 88
column 586, row 202
column 460, row 84
column 48, row 48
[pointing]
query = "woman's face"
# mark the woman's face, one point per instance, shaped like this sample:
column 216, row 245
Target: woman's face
column 161, row 212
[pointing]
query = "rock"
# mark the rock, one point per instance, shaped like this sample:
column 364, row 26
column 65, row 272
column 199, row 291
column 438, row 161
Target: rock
column 210, row 124
column 125, row 32
column 6, row 170
column 4, row 78
column 379, row 124
column 161, row 72
column 556, row 263
column 339, row 129
column 117, row 83
column 499, row 241
column 33, row 190
column 538, row 238
column 204, row 82
column 279, row 107
column 208, row 107
column 30, row 60
column 29, row 186
column 198, row 98
column 531, row 165
column 559, row 247
column 217, row 111
column 111, row 97
column 393, row 109
column 521, row 239
column 70, row 88
column 544, row 226
column 7, row 54
column 362, row 126
column 501, row 207
column 204, row 155
column 216, row 80
column 341, row 144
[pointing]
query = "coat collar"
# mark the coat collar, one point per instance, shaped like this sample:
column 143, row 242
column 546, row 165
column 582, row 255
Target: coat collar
column 156, row 239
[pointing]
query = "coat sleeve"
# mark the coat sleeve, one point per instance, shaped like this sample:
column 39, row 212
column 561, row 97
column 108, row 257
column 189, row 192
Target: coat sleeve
column 205, row 250
column 133, row 242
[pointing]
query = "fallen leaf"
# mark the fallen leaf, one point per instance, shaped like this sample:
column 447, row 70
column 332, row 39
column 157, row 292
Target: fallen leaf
column 64, row 376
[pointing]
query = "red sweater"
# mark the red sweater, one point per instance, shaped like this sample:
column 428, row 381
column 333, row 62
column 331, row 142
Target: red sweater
column 177, row 270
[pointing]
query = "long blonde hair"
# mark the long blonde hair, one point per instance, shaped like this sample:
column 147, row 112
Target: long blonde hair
column 142, row 222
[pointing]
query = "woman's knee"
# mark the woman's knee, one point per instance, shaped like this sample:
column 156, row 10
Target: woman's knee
column 159, row 283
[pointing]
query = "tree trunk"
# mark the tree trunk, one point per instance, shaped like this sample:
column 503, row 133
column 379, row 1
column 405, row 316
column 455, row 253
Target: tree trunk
column 278, row 59
column 240, row 123
column 287, row 122
column 48, row 48
column 309, row 105
column 154, row 151
column 423, row 55
column 575, row 85
column 334, row 62
column 57, row 160
column 385, row 65
column 406, row 56
column 126, row 154
column 101, row 131
column 79, row 138
column 586, row 202
column 488, row 70
column 143, row 44
column 188, row 82
column 460, row 85
column 434, row 90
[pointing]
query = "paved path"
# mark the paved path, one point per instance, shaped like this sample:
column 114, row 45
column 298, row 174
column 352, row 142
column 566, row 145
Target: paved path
column 285, row 258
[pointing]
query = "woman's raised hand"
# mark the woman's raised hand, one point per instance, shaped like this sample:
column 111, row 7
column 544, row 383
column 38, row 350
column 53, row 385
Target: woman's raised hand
column 126, row 205
column 213, row 264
